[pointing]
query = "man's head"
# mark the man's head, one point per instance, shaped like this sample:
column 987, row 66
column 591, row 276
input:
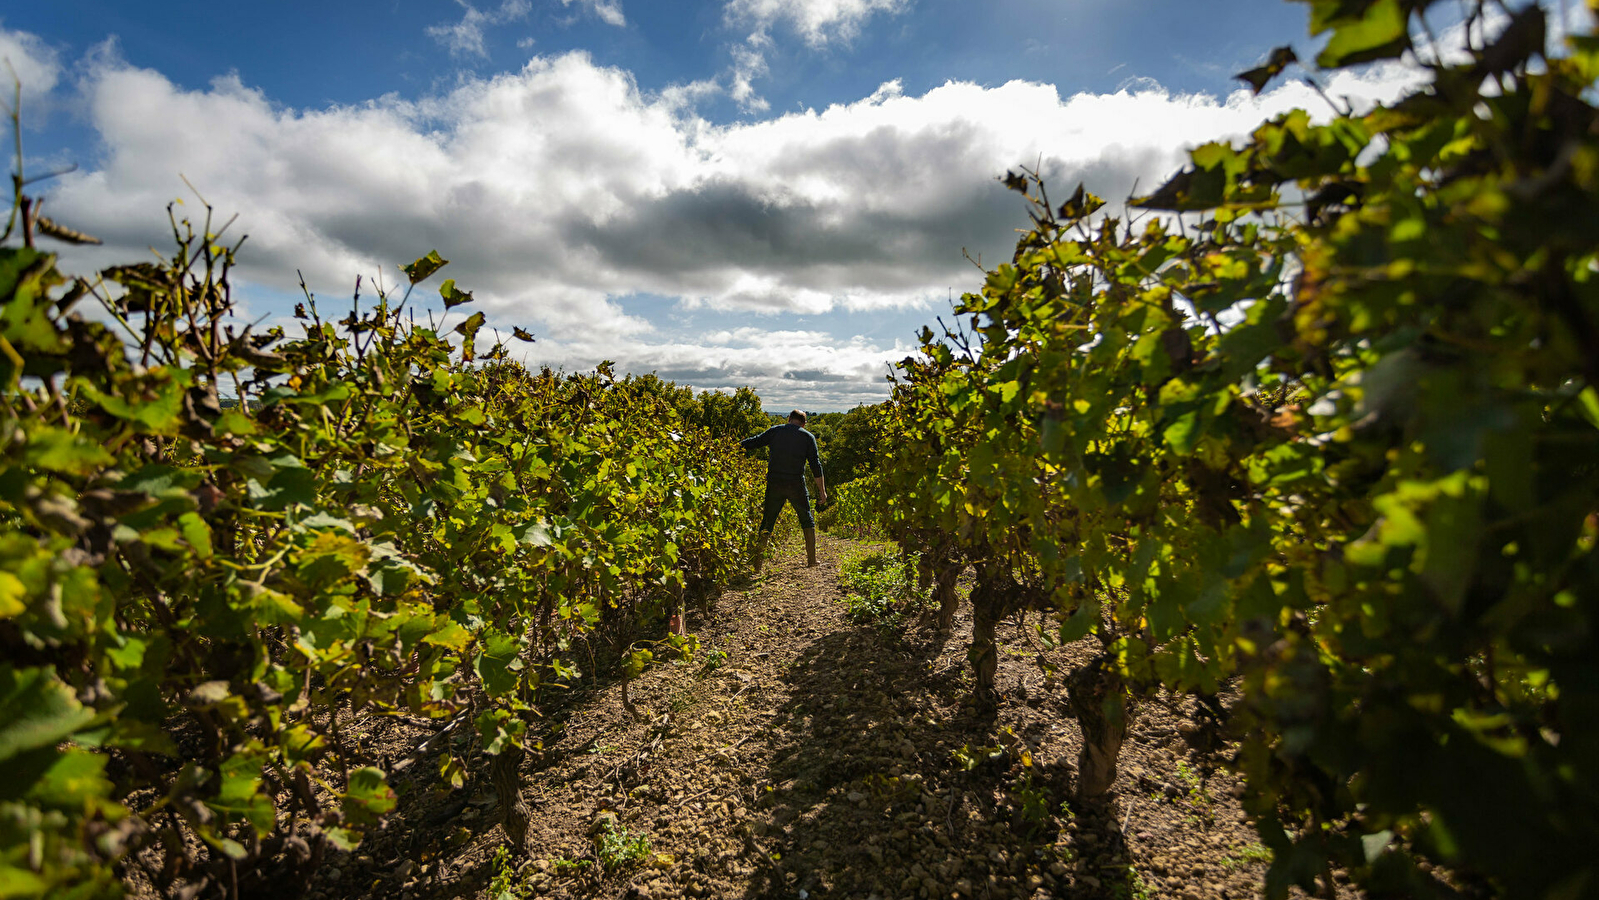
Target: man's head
column 796, row 417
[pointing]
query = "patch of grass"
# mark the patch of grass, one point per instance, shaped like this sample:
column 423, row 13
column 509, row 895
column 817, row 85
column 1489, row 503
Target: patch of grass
column 890, row 787
column 1191, row 781
column 881, row 582
column 1249, row 853
column 1197, row 797
column 616, row 846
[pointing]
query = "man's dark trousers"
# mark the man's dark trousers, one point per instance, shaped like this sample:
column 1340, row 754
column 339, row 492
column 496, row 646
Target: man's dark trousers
column 781, row 489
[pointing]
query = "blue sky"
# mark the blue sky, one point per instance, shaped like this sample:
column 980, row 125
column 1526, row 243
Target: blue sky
column 766, row 192
column 310, row 54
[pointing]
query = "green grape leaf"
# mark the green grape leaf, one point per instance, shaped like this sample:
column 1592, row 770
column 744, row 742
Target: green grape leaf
column 453, row 297
column 161, row 413
column 470, row 327
column 418, row 271
column 36, row 710
column 1081, row 204
column 498, row 662
column 369, row 796
column 287, row 488
column 62, row 451
column 1189, row 190
column 1378, row 29
column 538, row 535
column 74, row 778
column 197, row 533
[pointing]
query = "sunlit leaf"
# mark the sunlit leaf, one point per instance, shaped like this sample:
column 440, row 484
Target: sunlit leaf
column 453, row 297
column 1372, row 30
column 419, row 271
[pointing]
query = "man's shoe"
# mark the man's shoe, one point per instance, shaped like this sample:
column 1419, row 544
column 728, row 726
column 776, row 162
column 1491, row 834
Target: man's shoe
column 810, row 547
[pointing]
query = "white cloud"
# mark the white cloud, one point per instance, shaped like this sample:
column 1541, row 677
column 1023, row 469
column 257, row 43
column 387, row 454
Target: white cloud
column 561, row 189
column 818, row 22
column 466, row 38
column 787, row 368
column 749, row 64
column 608, row 11
column 37, row 68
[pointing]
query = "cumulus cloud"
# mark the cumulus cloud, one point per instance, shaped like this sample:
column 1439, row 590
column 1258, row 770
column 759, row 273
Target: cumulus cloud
column 562, row 189
column 787, row 368
column 37, row 67
column 749, row 64
column 466, row 38
column 608, row 11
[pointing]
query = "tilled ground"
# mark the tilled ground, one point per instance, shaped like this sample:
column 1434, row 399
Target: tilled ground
column 824, row 758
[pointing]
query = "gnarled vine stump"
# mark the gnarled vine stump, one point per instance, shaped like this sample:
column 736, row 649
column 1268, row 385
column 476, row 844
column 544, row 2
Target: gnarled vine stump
column 516, row 814
column 1097, row 696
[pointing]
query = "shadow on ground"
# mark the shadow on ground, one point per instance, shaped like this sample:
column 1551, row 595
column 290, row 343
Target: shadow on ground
column 886, row 783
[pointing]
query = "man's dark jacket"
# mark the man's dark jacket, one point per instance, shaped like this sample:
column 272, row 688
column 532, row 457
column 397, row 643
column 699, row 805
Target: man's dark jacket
column 792, row 446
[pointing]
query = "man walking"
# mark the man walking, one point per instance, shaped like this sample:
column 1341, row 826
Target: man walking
column 791, row 447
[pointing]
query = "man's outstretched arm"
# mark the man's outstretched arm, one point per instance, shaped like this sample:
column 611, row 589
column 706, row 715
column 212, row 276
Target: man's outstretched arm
column 815, row 459
column 759, row 440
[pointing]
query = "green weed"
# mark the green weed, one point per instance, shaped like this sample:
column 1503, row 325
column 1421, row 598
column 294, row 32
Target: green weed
column 567, row 866
column 616, row 846
column 1249, row 853
column 1035, row 807
column 969, row 757
column 506, row 883
column 1134, row 888
column 714, row 659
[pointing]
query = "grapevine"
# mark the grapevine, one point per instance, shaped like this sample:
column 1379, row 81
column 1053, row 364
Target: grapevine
column 218, row 546
column 1322, row 429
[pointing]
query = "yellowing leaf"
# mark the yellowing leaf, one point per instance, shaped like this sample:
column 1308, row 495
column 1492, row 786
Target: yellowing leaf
column 452, row 295
column 12, row 596
column 450, row 636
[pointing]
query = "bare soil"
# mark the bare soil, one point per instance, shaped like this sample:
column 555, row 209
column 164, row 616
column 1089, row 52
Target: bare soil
column 820, row 758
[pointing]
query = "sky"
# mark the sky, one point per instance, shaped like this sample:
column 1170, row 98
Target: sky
column 772, row 193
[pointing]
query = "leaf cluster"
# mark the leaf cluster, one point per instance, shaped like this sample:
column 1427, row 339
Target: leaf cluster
column 1332, row 441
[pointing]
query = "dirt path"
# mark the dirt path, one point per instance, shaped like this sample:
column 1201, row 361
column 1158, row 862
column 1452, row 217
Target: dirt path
column 821, row 758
